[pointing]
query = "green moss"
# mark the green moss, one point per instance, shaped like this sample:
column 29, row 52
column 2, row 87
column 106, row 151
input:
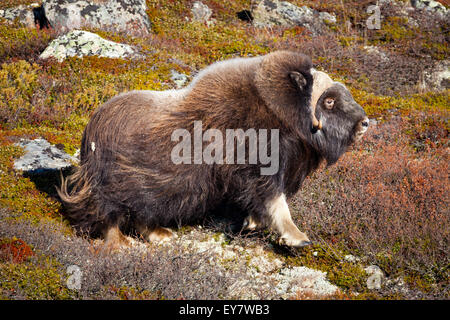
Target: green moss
column 19, row 194
column 394, row 29
column 376, row 106
column 130, row 293
column 37, row 279
column 346, row 275
column 402, row 36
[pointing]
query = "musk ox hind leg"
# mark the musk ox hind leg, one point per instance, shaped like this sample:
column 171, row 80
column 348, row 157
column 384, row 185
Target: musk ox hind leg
column 282, row 223
column 159, row 234
column 154, row 234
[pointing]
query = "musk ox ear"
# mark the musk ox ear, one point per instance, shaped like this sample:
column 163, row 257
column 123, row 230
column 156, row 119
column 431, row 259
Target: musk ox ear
column 298, row 79
column 321, row 82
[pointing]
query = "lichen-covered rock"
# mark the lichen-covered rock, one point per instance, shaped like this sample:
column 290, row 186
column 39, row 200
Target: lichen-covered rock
column 351, row 258
column 82, row 43
column 376, row 277
column 180, row 79
column 327, row 17
column 23, row 13
column 283, row 13
column 377, row 52
column 431, row 6
column 42, row 156
column 111, row 15
column 201, row 12
column 438, row 78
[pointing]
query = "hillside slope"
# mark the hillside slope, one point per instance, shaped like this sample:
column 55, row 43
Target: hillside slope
column 384, row 204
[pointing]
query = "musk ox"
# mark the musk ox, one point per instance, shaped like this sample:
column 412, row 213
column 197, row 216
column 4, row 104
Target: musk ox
column 127, row 178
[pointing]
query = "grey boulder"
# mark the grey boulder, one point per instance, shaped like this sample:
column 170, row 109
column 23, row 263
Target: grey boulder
column 268, row 13
column 23, row 13
column 79, row 43
column 110, row 15
column 41, row 156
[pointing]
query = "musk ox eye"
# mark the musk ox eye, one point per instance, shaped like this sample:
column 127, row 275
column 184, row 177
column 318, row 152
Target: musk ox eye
column 329, row 103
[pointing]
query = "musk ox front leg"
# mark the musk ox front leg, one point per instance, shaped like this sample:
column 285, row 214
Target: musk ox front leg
column 282, row 223
column 115, row 239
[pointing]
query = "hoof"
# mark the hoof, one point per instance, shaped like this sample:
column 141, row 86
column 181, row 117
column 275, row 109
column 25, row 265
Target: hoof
column 304, row 244
column 249, row 224
column 294, row 243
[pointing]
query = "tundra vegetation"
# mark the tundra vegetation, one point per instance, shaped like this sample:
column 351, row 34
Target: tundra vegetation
column 385, row 202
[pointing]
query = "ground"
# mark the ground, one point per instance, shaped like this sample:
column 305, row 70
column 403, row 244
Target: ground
column 385, row 202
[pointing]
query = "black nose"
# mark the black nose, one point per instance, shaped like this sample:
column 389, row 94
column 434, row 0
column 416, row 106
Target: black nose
column 365, row 123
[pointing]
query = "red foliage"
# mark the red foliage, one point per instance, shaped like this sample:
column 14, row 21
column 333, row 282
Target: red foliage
column 15, row 250
column 386, row 199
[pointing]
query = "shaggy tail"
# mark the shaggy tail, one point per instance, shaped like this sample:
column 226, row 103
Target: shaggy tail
column 79, row 203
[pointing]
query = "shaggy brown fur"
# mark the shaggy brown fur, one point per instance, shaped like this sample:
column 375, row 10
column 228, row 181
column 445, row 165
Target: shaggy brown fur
column 126, row 177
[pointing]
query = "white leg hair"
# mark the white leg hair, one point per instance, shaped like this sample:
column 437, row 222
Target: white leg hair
column 155, row 234
column 159, row 234
column 282, row 223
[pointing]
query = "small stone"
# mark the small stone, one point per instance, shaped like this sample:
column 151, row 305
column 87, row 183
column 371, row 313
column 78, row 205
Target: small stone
column 376, row 277
column 351, row 258
column 180, row 79
column 438, row 78
column 201, row 12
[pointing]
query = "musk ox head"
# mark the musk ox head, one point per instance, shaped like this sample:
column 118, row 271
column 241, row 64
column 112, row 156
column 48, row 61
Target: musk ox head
column 322, row 111
column 336, row 119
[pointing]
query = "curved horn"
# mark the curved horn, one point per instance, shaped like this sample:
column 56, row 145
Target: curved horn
column 321, row 82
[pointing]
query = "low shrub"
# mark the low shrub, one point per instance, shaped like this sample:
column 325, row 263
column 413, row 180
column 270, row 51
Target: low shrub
column 386, row 202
